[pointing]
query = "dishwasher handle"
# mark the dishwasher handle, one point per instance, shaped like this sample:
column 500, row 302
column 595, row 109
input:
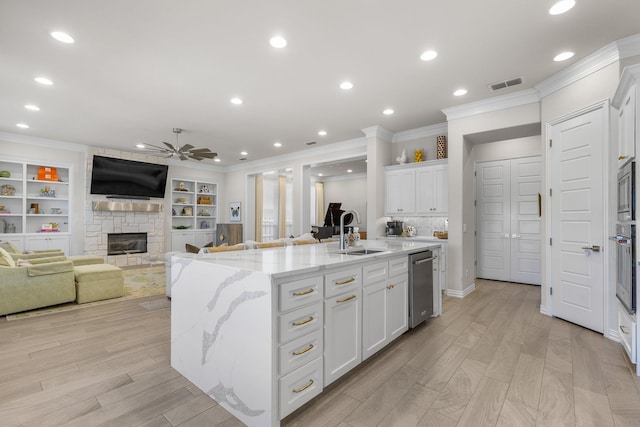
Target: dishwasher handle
column 420, row 261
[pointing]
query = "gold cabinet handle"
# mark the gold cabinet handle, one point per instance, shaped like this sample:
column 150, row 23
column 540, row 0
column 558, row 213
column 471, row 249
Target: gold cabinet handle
column 344, row 282
column 304, row 387
column 303, row 351
column 346, row 299
column 299, row 294
column 622, row 157
column 302, row 322
column 390, row 287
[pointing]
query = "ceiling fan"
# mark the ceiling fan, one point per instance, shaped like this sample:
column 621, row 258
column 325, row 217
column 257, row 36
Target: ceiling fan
column 184, row 152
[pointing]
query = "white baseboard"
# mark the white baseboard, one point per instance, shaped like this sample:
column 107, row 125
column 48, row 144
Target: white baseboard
column 613, row 335
column 545, row 311
column 463, row 293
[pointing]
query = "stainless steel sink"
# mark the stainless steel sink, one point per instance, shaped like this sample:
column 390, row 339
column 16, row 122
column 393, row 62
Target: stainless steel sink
column 364, row 252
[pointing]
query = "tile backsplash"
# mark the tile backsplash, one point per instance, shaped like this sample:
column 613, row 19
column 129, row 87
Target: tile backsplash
column 425, row 225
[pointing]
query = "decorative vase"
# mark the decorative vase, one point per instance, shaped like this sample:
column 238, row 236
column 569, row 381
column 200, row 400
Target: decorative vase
column 441, row 147
column 417, row 156
column 402, row 159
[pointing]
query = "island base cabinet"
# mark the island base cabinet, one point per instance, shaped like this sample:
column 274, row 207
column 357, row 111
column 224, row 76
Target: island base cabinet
column 300, row 386
column 374, row 318
column 342, row 343
column 397, row 310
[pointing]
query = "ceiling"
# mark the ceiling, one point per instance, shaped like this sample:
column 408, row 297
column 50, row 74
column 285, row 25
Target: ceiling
column 139, row 68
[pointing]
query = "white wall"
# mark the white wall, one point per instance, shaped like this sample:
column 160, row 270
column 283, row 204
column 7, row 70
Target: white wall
column 509, row 149
column 352, row 193
column 426, row 144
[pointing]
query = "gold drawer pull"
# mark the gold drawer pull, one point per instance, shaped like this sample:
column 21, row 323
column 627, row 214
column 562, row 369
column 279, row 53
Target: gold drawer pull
column 304, row 387
column 302, row 322
column 346, row 299
column 622, row 157
column 344, row 282
column 303, row 351
column 299, row 294
column 391, row 286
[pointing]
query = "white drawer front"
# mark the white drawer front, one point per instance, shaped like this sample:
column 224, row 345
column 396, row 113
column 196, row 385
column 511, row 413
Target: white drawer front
column 374, row 273
column 300, row 351
column 300, row 386
column 399, row 266
column 300, row 292
column 300, row 322
column 627, row 331
column 342, row 281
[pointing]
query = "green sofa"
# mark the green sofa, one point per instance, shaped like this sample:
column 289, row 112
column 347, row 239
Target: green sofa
column 48, row 281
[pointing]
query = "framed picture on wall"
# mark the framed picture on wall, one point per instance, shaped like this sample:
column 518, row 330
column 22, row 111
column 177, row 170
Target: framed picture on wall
column 235, row 215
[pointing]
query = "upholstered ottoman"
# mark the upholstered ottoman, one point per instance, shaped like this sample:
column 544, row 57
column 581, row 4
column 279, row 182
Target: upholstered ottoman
column 85, row 259
column 96, row 282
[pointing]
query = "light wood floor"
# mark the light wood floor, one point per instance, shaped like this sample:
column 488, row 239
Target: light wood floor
column 491, row 359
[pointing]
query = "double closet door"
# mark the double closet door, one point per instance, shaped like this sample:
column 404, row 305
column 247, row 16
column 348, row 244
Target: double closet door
column 509, row 226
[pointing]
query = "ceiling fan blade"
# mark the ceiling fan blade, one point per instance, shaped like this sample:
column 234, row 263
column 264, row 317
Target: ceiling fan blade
column 171, row 147
column 186, row 147
column 182, row 156
column 198, row 158
column 204, row 153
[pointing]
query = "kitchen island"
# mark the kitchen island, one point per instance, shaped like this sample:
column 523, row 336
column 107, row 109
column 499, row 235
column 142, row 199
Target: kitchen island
column 264, row 331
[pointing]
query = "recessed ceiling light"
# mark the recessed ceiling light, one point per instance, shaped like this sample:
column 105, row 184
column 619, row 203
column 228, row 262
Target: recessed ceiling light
column 429, row 55
column 141, row 146
column 322, row 133
column 277, row 144
column 236, row 101
column 43, row 81
column 62, row 37
column 346, row 85
column 388, row 112
column 22, row 125
column 217, row 160
column 278, row 42
column 244, row 153
column 32, row 107
column 320, row 174
column 460, row 92
column 561, row 7
column 563, row 56
column 349, row 170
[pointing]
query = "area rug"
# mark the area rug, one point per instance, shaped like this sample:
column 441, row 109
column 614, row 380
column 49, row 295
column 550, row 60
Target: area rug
column 138, row 282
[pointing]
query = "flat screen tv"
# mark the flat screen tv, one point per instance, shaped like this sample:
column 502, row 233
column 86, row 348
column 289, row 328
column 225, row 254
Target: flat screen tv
column 128, row 178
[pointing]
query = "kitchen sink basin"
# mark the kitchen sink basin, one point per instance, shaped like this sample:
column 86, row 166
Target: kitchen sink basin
column 364, row 252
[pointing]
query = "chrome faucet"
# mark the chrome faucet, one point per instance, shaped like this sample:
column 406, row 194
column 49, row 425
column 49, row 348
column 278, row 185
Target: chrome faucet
column 343, row 238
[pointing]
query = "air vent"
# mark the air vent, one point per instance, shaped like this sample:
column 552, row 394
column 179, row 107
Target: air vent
column 311, row 143
column 506, row 83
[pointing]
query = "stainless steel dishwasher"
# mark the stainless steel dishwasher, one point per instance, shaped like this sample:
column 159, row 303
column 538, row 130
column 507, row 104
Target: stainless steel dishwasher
column 420, row 287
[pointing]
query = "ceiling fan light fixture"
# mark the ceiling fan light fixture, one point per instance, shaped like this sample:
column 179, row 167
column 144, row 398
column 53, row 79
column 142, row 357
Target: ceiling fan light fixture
column 185, row 152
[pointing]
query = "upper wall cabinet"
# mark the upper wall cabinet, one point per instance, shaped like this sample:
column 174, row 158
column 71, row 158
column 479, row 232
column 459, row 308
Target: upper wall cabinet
column 417, row 189
column 624, row 101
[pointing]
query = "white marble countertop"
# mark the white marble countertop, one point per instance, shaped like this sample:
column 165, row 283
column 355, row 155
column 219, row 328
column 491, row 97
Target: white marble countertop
column 414, row 239
column 293, row 260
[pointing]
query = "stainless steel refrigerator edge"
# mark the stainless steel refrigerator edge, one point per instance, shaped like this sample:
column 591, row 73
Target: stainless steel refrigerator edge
column 420, row 287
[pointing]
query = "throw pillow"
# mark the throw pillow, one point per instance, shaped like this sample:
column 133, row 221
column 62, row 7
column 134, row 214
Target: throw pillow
column 192, row 249
column 5, row 259
column 10, row 247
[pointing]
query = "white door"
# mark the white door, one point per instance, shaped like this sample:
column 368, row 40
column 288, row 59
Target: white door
column 526, row 224
column 509, row 221
column 576, row 158
column 494, row 220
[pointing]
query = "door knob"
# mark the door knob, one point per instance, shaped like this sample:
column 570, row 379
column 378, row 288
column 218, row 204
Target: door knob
column 593, row 248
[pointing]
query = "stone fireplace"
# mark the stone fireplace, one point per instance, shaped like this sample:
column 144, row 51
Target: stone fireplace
column 105, row 217
column 126, row 243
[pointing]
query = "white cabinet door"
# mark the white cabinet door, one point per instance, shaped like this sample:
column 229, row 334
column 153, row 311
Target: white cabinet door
column 33, row 243
column 204, row 237
column 397, row 307
column 180, row 238
column 432, row 190
column 342, row 341
column 626, row 127
column 400, row 192
column 374, row 318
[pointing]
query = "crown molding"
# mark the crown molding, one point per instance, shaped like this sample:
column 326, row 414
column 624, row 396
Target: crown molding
column 342, row 177
column 604, row 56
column 423, row 132
column 329, row 149
column 627, row 79
column 378, row 132
column 629, row 46
column 43, row 142
column 515, row 99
